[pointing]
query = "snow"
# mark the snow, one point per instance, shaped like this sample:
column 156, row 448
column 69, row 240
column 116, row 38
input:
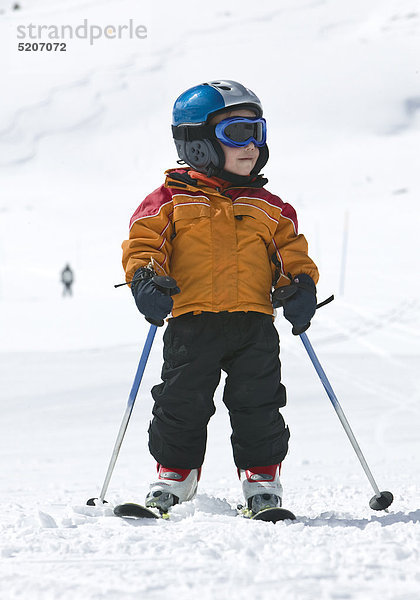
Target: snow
column 83, row 138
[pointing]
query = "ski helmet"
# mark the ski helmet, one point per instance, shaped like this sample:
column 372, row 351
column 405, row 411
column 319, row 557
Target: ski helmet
column 195, row 138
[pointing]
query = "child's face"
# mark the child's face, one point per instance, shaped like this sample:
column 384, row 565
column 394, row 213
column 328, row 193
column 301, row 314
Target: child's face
column 239, row 161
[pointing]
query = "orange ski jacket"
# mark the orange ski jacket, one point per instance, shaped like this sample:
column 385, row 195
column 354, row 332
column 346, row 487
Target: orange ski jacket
column 226, row 246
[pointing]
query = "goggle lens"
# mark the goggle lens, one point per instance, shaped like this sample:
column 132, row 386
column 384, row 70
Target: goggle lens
column 240, row 131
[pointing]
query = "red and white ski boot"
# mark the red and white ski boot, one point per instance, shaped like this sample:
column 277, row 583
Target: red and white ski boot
column 172, row 487
column 261, row 487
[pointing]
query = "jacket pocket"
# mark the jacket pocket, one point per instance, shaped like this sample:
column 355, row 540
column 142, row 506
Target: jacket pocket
column 191, row 210
column 255, row 217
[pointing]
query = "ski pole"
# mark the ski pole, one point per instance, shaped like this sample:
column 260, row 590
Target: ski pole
column 381, row 500
column 166, row 285
column 127, row 414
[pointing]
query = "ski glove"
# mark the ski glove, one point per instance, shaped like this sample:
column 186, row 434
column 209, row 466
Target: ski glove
column 298, row 300
column 153, row 300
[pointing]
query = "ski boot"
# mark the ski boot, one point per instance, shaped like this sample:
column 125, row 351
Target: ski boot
column 173, row 487
column 261, row 487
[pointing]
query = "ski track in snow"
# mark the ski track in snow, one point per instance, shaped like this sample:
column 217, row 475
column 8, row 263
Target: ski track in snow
column 54, row 546
column 205, row 551
column 18, row 141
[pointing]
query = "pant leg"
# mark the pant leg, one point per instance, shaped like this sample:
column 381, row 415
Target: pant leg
column 184, row 400
column 254, row 393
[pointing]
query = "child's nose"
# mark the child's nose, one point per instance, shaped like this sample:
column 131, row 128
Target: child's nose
column 250, row 146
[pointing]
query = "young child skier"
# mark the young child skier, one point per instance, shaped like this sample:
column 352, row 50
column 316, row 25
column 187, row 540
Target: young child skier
column 232, row 247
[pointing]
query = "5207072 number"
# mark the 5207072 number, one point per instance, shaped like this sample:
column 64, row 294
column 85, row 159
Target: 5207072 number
column 42, row 47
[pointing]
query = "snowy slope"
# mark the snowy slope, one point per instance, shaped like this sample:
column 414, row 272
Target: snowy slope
column 82, row 139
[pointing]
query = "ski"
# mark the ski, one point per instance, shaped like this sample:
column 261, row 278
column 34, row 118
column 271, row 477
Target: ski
column 272, row 515
column 130, row 510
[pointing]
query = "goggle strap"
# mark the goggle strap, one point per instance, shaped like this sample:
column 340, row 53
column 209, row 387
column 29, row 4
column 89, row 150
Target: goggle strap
column 190, row 133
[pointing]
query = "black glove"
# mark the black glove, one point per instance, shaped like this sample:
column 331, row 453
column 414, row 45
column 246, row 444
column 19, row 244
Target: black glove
column 153, row 300
column 298, row 300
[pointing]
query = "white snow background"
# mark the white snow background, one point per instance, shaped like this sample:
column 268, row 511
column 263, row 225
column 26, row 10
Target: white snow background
column 84, row 136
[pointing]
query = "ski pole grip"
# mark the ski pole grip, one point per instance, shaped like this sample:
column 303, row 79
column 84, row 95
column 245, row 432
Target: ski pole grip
column 283, row 294
column 153, row 322
column 165, row 284
column 298, row 329
column 168, row 286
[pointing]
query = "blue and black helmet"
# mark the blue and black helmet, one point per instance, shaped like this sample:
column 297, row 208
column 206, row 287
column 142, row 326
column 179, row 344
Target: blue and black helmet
column 195, row 138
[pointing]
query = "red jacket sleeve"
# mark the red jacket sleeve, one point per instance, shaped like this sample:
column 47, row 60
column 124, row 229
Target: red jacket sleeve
column 150, row 234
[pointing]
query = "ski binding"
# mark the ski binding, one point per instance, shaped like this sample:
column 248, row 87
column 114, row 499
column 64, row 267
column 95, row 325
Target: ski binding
column 272, row 514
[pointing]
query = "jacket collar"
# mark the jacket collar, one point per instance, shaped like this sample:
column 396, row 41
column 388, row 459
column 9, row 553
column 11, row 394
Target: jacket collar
column 189, row 179
column 213, row 182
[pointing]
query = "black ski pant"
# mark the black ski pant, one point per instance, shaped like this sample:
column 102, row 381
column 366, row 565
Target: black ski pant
column 196, row 348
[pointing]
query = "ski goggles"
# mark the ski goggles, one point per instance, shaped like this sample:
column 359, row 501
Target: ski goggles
column 237, row 132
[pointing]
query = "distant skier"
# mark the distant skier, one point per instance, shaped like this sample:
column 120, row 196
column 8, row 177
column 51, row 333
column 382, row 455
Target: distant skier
column 227, row 242
column 67, row 279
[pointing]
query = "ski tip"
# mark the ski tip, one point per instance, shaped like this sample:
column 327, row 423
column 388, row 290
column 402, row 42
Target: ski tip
column 130, row 510
column 273, row 515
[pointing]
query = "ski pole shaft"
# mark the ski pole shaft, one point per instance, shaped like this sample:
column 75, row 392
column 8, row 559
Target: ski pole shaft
column 339, row 410
column 130, row 404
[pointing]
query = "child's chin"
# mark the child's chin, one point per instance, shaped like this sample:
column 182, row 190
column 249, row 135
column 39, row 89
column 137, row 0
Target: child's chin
column 243, row 170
